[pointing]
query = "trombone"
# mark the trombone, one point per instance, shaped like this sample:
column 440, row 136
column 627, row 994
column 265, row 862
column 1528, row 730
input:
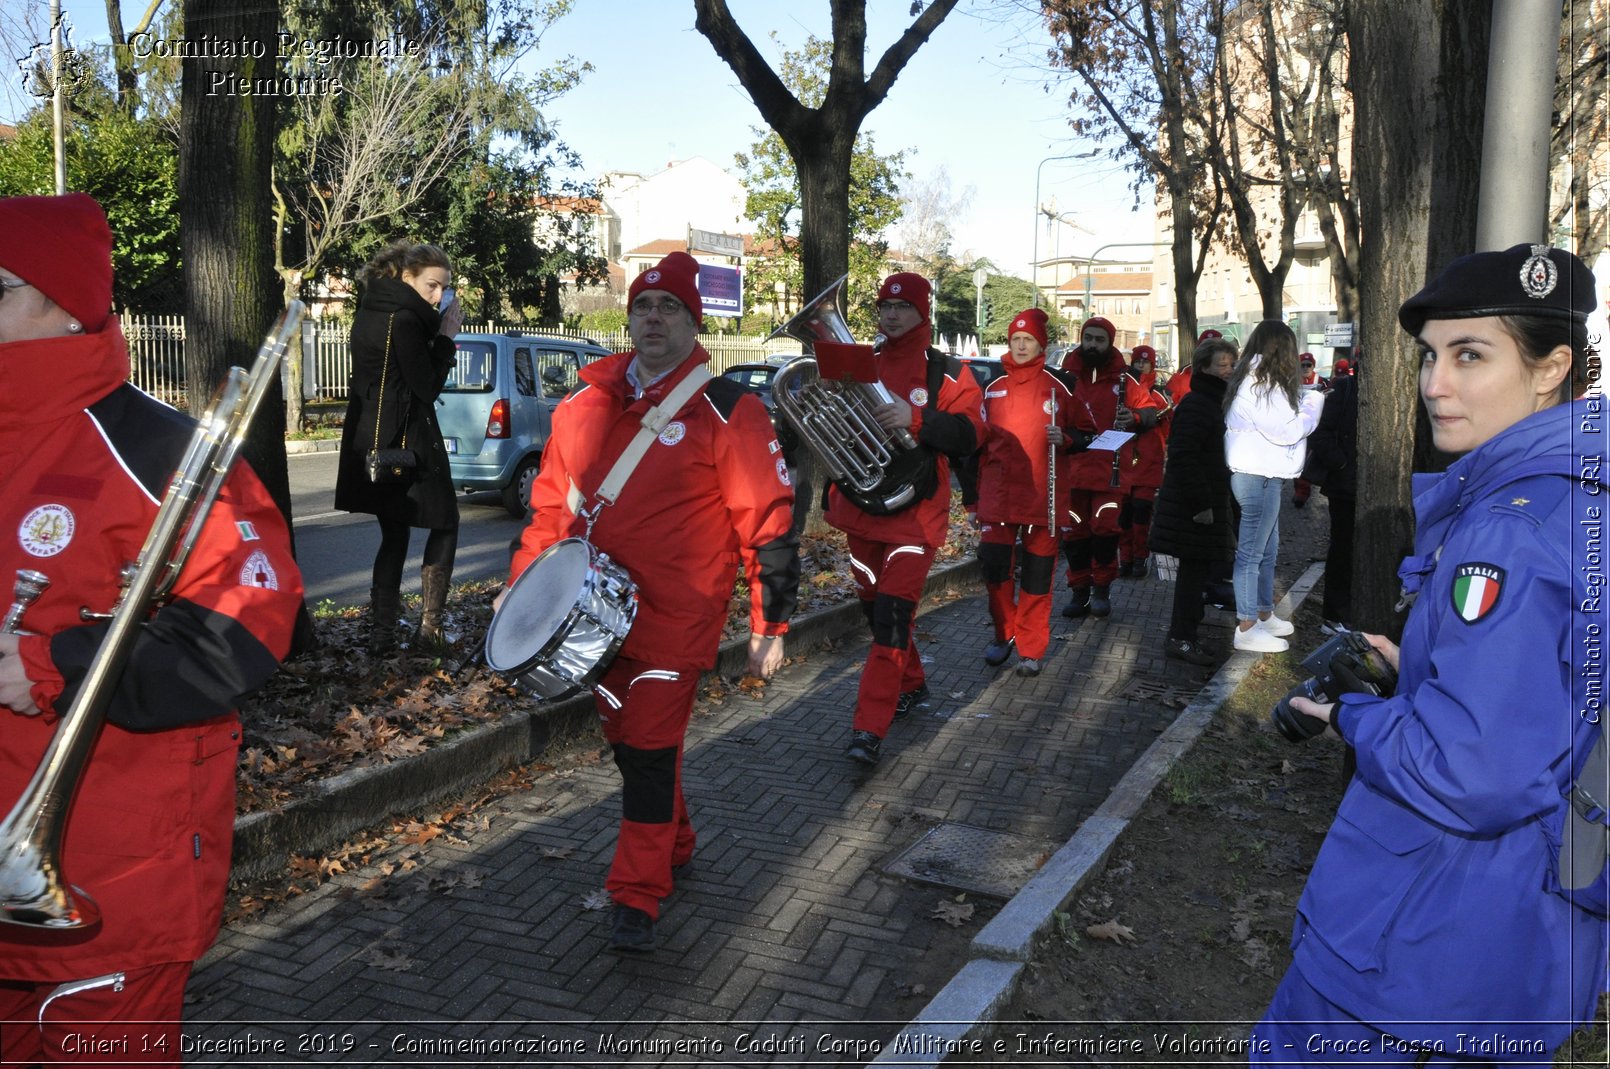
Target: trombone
column 33, row 890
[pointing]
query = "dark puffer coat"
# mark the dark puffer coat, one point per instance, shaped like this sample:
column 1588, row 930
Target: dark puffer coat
column 1196, row 478
column 420, row 362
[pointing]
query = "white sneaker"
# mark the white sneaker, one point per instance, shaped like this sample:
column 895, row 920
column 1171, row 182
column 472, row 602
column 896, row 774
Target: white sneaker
column 1276, row 626
column 1257, row 640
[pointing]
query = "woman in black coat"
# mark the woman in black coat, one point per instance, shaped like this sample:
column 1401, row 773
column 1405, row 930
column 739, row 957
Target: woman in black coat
column 1192, row 517
column 402, row 354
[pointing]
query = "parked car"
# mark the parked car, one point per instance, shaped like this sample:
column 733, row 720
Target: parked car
column 756, row 376
column 984, row 368
column 495, row 411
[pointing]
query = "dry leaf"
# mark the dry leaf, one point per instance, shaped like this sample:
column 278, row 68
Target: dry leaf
column 556, row 853
column 383, row 958
column 598, row 899
column 953, row 912
column 1112, row 931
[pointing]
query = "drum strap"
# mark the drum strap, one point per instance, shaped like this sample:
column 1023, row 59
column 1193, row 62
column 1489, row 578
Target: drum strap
column 654, row 421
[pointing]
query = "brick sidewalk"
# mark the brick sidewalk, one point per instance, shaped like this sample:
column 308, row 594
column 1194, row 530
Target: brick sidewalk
column 785, row 927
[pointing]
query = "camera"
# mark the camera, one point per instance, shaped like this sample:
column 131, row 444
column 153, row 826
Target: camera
column 1347, row 664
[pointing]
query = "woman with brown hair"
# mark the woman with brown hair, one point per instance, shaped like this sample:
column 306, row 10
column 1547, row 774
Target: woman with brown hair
column 1267, row 420
column 402, row 353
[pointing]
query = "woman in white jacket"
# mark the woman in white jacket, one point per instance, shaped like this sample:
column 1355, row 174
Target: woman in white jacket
column 1267, row 421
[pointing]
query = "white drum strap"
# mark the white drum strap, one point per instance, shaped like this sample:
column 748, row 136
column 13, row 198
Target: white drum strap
column 654, row 421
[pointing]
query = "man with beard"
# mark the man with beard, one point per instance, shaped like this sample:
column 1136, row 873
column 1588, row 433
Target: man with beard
column 1095, row 477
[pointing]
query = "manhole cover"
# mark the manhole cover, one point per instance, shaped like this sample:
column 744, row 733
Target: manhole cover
column 993, row 863
column 1151, row 691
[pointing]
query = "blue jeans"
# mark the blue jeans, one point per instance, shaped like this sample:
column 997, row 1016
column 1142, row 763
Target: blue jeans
column 1259, row 498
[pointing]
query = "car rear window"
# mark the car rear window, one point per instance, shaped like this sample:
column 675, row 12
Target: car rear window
column 475, row 368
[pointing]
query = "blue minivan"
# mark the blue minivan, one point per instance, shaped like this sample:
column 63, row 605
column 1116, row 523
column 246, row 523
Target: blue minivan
column 495, row 409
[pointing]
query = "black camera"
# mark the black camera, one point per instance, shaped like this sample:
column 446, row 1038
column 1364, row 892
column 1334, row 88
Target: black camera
column 1347, row 664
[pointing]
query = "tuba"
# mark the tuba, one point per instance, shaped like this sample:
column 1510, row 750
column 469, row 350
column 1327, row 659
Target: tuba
column 33, row 890
column 879, row 471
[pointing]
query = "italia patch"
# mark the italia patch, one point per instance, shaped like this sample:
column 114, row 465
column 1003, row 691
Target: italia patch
column 46, row 530
column 673, row 433
column 1476, row 589
column 248, row 531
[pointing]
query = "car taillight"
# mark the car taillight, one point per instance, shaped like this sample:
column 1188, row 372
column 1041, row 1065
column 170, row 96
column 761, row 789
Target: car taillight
column 497, row 424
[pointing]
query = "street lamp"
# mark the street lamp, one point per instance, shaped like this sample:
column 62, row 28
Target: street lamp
column 1034, row 266
column 1091, row 260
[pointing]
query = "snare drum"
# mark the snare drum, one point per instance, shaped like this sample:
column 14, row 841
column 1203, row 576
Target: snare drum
column 563, row 620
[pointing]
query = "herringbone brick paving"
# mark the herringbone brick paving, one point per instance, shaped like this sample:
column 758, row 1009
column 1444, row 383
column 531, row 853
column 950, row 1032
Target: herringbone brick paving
column 784, row 928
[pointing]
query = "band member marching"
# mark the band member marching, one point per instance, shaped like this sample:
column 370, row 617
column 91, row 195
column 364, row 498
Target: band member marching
column 1095, row 476
column 1033, row 422
column 1141, row 460
column 891, row 554
column 712, row 489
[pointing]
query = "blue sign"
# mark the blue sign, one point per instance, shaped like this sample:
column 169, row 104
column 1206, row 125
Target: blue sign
column 721, row 290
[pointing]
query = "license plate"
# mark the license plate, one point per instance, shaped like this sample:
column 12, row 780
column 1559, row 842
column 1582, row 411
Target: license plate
column 450, row 444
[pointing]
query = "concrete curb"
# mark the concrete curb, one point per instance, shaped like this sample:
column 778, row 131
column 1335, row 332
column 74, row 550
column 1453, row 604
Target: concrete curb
column 323, row 445
column 347, row 803
column 949, row 1022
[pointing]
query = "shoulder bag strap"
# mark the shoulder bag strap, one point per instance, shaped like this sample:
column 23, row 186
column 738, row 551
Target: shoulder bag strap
column 380, row 403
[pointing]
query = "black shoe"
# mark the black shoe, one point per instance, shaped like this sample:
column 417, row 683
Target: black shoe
column 1126, row 569
column 1028, row 666
column 1138, row 569
column 911, row 699
column 1298, row 502
column 863, row 747
column 1080, row 605
column 1100, row 604
column 633, row 931
column 1189, row 652
column 995, row 654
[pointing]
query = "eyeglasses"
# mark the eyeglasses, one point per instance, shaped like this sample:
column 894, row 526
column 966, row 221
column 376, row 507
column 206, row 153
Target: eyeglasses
column 896, row 306
column 12, row 284
column 666, row 306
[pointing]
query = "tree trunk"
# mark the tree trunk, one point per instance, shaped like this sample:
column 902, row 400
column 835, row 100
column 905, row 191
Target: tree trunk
column 226, row 148
column 1420, row 80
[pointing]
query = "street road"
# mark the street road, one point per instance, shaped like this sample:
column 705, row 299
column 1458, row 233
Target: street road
column 336, row 550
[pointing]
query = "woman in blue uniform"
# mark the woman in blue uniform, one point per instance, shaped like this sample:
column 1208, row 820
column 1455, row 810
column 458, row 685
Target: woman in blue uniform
column 1431, row 930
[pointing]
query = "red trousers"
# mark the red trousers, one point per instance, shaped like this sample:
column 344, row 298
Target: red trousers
column 1022, row 614
column 1090, row 541
column 888, row 579
column 1135, row 522
column 129, row 1021
column 645, row 712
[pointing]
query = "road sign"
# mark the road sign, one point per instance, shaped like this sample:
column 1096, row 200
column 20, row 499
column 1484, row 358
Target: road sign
column 714, row 242
column 1339, row 336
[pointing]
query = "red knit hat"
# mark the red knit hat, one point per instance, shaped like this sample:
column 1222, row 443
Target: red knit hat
column 1207, row 334
column 906, row 286
column 1306, row 358
column 1143, row 352
column 678, row 275
column 1029, row 321
column 63, row 248
column 1101, row 324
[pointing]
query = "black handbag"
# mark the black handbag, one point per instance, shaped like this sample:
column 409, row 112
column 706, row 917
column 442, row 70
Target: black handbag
column 400, row 464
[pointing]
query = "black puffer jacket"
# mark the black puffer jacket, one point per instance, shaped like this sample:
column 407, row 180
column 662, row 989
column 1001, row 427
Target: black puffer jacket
column 1333, row 447
column 1195, row 478
column 419, row 364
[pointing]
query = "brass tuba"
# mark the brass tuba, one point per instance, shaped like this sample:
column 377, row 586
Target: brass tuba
column 880, row 471
column 33, row 890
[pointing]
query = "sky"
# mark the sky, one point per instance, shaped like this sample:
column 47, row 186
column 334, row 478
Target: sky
column 974, row 100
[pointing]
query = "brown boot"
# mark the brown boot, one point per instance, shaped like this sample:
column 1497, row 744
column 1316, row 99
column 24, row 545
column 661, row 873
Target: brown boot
column 384, row 605
column 434, row 580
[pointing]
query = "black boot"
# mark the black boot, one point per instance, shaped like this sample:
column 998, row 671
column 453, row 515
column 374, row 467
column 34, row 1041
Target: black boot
column 1080, row 605
column 434, row 580
column 1100, row 602
column 384, row 606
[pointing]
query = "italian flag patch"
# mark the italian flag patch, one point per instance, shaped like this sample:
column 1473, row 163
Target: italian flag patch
column 1475, row 590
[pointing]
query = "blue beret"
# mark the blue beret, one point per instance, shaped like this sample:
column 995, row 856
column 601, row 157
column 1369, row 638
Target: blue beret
column 1529, row 280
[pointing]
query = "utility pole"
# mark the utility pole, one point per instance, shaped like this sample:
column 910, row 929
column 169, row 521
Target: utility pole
column 1513, row 206
column 58, row 104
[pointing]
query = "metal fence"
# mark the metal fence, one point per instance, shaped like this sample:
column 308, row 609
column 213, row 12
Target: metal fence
column 156, row 353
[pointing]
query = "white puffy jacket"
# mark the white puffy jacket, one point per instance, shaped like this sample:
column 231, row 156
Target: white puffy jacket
column 1264, row 435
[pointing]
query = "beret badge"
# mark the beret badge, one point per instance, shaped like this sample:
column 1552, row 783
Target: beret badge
column 1539, row 275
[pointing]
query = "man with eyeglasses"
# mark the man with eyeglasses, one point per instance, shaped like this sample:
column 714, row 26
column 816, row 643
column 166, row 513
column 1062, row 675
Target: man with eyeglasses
column 939, row 403
column 85, row 460
column 712, row 489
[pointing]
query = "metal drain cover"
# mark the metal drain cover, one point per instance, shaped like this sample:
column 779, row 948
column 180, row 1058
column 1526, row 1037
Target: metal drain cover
column 1152, row 692
column 993, row 863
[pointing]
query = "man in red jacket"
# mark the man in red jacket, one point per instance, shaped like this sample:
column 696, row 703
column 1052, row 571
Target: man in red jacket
column 891, row 554
column 85, row 460
column 1096, row 476
column 712, row 490
column 1030, row 416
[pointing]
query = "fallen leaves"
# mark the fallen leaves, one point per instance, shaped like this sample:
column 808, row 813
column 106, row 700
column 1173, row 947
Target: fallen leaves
column 953, row 911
